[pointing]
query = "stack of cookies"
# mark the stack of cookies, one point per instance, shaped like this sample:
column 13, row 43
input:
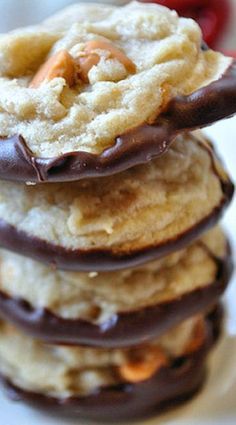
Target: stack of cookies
column 112, row 263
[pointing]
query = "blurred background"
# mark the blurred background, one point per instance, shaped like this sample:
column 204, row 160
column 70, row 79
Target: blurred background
column 216, row 17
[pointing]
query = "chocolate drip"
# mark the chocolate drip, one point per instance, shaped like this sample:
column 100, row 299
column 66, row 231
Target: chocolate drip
column 138, row 145
column 167, row 388
column 124, row 329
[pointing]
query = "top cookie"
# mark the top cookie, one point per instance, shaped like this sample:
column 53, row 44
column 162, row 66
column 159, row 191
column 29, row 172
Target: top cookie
column 96, row 89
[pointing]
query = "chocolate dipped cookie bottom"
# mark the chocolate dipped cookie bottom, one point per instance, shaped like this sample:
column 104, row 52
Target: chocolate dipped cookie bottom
column 169, row 386
column 93, row 127
column 136, row 146
column 121, row 221
column 96, row 314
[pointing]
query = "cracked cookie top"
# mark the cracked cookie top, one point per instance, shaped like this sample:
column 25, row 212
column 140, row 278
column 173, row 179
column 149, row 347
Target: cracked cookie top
column 80, row 80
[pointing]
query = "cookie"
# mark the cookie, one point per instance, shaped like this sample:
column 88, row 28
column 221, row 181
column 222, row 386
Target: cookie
column 103, row 90
column 114, row 309
column 122, row 220
column 107, row 384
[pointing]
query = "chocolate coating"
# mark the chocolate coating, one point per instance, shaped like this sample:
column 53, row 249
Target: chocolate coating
column 169, row 386
column 138, row 145
column 125, row 329
column 97, row 260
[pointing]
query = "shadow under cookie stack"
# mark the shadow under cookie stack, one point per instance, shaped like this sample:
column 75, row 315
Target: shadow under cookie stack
column 112, row 261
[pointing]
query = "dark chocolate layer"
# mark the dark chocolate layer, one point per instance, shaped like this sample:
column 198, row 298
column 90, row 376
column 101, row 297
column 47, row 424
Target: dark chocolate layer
column 169, row 386
column 89, row 260
column 125, row 329
column 138, row 145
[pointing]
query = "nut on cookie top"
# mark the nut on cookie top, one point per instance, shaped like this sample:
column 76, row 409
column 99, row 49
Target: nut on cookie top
column 80, row 79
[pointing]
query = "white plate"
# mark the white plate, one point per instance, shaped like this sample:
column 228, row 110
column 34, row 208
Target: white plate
column 216, row 404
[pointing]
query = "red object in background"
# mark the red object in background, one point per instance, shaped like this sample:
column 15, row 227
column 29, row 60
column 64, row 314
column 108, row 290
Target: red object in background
column 230, row 53
column 212, row 15
column 179, row 4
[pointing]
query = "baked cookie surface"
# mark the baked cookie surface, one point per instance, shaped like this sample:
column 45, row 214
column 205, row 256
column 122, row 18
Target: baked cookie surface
column 116, row 384
column 118, row 308
column 110, row 71
column 63, row 365
column 122, row 220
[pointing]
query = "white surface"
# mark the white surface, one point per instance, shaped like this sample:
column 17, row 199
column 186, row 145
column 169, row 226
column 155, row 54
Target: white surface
column 216, row 405
column 26, row 12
